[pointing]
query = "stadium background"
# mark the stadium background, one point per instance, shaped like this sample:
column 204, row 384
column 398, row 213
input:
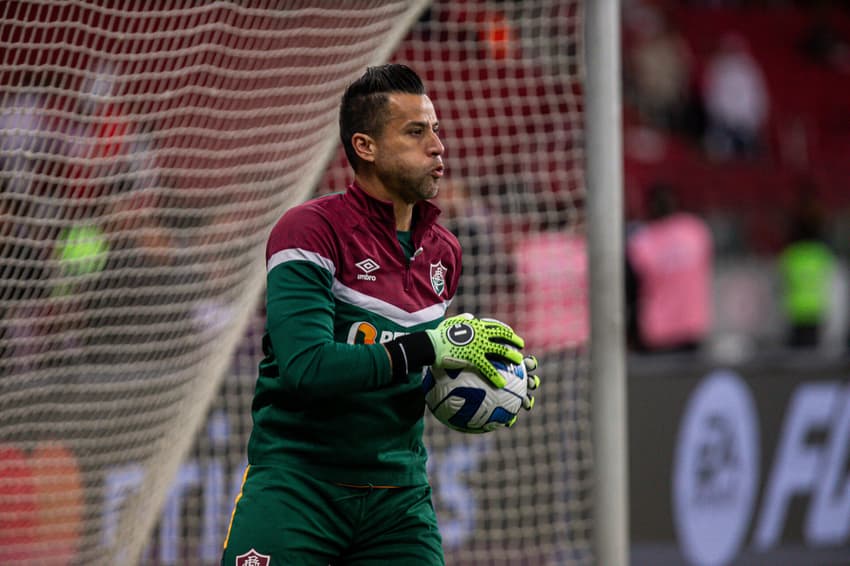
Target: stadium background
column 750, row 205
column 800, row 400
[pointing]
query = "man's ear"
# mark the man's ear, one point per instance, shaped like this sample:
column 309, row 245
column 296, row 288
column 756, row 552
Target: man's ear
column 364, row 145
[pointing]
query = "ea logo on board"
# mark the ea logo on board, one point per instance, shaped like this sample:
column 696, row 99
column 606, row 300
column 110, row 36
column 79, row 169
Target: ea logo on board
column 460, row 334
column 715, row 470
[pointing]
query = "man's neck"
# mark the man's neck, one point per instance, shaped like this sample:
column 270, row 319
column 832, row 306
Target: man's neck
column 402, row 210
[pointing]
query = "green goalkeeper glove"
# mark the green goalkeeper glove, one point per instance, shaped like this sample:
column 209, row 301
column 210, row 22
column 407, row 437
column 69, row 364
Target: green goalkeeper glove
column 530, row 363
column 465, row 341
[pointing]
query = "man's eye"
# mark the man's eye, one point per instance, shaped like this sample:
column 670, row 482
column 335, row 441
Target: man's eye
column 416, row 132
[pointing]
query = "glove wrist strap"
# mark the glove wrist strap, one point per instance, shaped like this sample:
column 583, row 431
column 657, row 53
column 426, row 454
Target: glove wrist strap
column 410, row 351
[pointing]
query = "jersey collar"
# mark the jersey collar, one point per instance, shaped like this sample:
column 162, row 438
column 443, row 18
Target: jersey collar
column 424, row 213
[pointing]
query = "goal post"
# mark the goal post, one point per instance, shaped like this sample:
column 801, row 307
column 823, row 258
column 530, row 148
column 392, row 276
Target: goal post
column 607, row 304
column 147, row 149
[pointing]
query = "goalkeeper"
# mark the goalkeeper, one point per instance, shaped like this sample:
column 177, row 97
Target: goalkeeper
column 357, row 286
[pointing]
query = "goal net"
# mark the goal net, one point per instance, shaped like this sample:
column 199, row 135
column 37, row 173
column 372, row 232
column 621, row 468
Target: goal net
column 148, row 147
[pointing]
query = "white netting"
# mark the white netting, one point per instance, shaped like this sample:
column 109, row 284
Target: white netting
column 148, row 147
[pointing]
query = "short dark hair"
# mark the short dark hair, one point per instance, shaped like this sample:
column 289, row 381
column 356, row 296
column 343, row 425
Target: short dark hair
column 362, row 107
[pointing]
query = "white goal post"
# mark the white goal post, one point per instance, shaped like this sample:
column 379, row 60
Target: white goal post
column 147, row 147
column 605, row 244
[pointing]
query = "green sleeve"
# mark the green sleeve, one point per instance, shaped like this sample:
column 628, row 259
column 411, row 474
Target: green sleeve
column 300, row 326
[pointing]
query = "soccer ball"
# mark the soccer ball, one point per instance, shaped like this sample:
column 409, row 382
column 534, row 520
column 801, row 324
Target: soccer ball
column 465, row 401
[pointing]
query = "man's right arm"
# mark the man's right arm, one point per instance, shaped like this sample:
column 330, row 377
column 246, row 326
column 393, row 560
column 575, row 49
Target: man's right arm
column 300, row 317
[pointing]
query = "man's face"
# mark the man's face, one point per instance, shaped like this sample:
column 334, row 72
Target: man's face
column 408, row 156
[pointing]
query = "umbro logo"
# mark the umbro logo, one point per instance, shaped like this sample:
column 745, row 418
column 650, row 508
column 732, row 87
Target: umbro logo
column 367, row 266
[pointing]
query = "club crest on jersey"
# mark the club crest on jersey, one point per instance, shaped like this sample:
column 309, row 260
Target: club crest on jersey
column 253, row 558
column 438, row 277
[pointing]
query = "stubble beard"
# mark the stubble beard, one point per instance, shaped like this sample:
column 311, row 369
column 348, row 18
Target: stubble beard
column 411, row 188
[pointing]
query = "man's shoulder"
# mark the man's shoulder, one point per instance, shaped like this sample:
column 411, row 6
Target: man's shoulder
column 322, row 206
column 311, row 225
column 442, row 233
column 326, row 211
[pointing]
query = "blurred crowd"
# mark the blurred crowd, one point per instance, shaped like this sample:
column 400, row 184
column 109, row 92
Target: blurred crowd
column 736, row 136
column 91, row 238
column 736, row 112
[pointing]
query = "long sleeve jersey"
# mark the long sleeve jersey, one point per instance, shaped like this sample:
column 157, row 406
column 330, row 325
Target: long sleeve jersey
column 340, row 283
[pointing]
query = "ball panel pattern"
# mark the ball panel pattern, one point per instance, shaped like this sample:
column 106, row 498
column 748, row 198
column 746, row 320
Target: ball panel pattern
column 465, row 401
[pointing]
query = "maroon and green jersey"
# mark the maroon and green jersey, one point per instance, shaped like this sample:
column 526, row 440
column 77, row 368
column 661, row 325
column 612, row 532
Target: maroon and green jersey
column 341, row 281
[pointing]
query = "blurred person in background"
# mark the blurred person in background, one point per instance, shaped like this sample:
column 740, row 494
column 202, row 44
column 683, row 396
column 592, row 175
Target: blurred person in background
column 824, row 43
column 659, row 72
column 113, row 152
column 806, row 267
column 669, row 263
column 736, row 101
column 28, row 154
